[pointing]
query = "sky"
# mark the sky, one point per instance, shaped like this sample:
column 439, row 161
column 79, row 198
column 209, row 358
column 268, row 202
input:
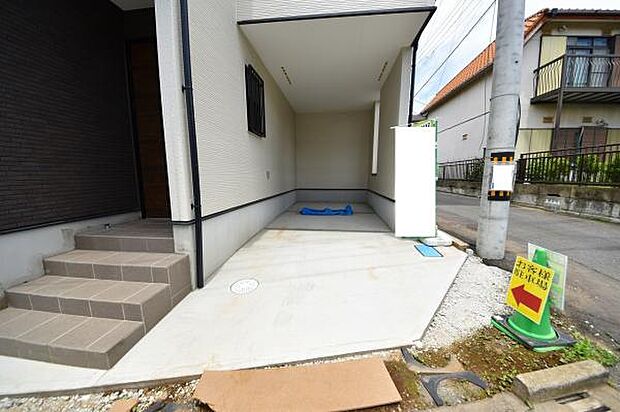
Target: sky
column 472, row 24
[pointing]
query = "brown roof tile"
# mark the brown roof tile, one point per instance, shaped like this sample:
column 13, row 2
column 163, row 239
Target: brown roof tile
column 480, row 64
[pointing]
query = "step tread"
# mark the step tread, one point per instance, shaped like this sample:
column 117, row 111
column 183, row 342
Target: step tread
column 135, row 301
column 141, row 235
column 149, row 267
column 89, row 289
column 66, row 339
column 111, row 257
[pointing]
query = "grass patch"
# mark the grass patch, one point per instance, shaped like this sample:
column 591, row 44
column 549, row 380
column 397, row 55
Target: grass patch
column 498, row 359
column 585, row 349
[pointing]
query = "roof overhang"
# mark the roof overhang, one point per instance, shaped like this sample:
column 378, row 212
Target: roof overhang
column 133, row 4
column 334, row 62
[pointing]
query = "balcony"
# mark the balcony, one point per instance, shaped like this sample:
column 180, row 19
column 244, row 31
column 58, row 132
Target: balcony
column 578, row 79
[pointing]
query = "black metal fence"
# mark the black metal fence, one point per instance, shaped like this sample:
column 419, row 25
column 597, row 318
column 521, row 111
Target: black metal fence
column 594, row 165
column 469, row 170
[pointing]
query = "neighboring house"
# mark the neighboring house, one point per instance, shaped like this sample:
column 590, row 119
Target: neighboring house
column 216, row 120
column 576, row 49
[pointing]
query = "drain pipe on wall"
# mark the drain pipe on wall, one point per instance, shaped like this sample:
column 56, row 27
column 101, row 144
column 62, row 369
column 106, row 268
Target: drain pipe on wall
column 414, row 47
column 193, row 147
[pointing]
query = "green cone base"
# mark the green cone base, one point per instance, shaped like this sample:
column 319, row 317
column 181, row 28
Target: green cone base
column 561, row 340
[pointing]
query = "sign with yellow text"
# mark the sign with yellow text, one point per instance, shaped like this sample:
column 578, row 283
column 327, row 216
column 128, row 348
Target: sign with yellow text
column 529, row 288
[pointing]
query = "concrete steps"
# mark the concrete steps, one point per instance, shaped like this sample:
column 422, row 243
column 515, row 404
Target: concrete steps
column 67, row 339
column 93, row 304
column 169, row 268
column 141, row 236
column 112, row 299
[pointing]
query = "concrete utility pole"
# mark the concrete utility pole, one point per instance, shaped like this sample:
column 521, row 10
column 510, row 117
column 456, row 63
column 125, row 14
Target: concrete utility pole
column 495, row 204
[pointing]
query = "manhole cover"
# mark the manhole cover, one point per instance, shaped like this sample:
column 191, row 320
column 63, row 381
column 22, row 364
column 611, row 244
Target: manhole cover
column 244, row 286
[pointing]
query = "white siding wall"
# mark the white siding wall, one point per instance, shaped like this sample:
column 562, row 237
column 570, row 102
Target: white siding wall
column 463, row 115
column 264, row 9
column 333, row 150
column 394, row 112
column 234, row 164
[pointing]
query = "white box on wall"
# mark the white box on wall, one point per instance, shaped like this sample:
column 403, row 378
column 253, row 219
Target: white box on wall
column 414, row 182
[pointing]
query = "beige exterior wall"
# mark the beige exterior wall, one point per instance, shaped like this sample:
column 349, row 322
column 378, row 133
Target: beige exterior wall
column 394, row 112
column 533, row 140
column 264, row 9
column 552, row 47
column 236, row 167
column 613, row 136
column 333, row 150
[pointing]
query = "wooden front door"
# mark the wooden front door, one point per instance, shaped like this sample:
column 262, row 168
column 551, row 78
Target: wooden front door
column 148, row 128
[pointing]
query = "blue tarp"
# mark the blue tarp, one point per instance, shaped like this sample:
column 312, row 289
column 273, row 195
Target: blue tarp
column 347, row 211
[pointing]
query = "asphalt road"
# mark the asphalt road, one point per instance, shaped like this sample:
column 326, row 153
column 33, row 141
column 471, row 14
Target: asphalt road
column 593, row 248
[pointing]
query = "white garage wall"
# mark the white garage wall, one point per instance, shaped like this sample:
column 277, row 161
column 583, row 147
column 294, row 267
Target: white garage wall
column 333, row 150
column 394, row 112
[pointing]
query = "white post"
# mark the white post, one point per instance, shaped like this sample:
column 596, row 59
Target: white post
column 494, row 209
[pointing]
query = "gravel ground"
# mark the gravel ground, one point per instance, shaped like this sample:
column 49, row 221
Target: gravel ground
column 478, row 292
column 179, row 394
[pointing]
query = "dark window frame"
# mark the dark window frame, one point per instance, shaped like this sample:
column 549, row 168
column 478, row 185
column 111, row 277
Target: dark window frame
column 255, row 101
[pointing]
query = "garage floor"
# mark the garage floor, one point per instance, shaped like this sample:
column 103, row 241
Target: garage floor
column 320, row 294
column 362, row 220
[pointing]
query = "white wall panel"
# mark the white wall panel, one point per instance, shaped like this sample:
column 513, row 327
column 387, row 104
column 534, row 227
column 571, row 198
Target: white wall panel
column 414, row 183
column 265, row 9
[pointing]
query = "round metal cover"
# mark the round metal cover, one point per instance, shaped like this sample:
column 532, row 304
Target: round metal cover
column 244, row 286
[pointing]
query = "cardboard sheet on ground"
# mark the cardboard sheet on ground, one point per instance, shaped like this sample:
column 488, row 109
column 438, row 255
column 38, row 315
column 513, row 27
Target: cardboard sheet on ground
column 559, row 264
column 339, row 386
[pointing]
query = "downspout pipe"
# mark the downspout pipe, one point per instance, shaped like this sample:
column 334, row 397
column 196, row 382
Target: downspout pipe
column 193, row 147
column 414, row 46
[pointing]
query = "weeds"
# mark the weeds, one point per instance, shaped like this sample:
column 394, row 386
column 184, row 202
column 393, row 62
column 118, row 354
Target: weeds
column 586, row 349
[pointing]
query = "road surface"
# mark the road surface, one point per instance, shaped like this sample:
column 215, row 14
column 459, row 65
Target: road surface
column 593, row 248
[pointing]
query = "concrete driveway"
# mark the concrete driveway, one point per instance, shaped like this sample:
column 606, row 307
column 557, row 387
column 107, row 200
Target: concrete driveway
column 318, row 293
column 593, row 249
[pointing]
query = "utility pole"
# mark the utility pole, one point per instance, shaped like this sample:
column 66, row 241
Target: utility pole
column 503, row 118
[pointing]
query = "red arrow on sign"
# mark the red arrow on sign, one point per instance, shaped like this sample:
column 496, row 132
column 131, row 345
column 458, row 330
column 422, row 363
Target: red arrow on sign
column 526, row 298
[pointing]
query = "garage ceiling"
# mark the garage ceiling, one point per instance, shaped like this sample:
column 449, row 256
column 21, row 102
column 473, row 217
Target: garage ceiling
column 333, row 63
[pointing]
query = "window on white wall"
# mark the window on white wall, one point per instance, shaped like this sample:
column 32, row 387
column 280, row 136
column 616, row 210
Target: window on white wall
column 375, row 140
column 255, row 98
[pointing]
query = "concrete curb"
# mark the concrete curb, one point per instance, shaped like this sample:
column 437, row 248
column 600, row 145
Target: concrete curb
column 552, row 383
column 456, row 242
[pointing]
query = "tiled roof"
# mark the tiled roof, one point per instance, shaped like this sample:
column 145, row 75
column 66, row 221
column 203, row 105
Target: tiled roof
column 484, row 60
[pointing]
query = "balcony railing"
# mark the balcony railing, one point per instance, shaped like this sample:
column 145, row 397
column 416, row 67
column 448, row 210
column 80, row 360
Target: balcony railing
column 571, row 71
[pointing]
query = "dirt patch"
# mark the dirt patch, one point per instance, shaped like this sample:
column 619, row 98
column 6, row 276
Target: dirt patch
column 409, row 387
column 494, row 357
